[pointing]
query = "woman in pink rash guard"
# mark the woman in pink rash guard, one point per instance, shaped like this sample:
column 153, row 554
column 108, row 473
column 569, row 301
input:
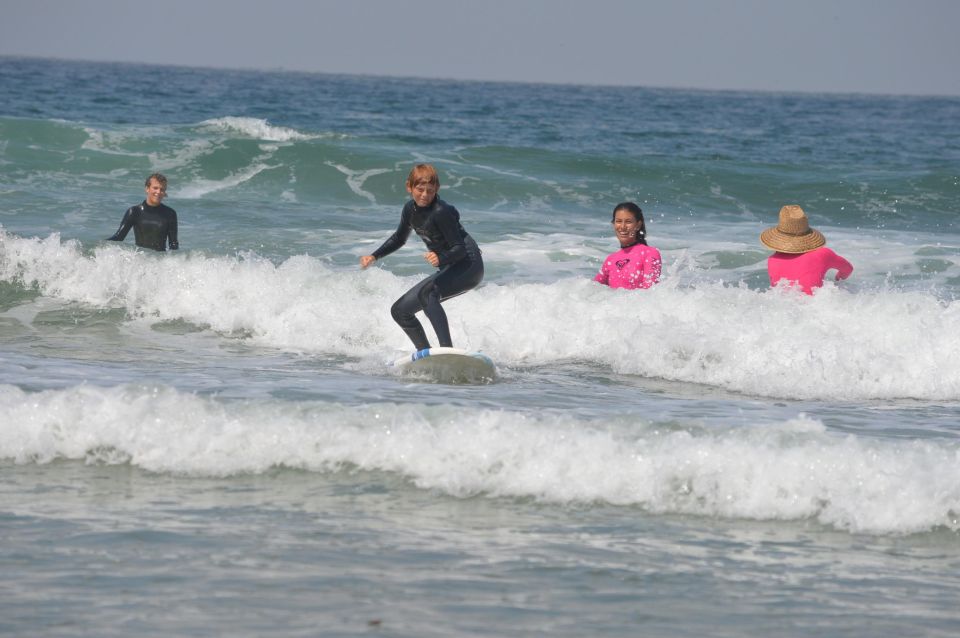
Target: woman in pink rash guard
column 801, row 257
column 635, row 265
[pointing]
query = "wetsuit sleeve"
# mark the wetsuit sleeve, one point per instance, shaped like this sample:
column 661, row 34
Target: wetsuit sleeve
column 603, row 276
column 397, row 239
column 449, row 227
column 844, row 267
column 652, row 264
column 172, row 231
column 125, row 225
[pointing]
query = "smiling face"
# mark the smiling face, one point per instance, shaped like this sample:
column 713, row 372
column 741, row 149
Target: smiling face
column 625, row 227
column 423, row 193
column 156, row 191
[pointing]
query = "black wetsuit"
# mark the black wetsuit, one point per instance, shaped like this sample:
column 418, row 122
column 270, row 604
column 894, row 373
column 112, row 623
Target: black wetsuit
column 152, row 226
column 460, row 270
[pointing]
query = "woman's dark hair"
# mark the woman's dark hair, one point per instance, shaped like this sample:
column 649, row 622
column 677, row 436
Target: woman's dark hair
column 634, row 210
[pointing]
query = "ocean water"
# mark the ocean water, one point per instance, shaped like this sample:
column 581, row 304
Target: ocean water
column 209, row 442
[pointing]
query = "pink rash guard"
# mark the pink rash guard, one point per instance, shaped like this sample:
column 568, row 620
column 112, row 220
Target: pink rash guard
column 807, row 269
column 636, row 266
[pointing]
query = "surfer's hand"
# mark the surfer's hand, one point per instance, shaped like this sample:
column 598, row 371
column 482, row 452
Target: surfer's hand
column 432, row 258
column 366, row 260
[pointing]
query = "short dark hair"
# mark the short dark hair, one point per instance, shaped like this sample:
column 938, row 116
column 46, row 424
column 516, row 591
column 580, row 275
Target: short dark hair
column 160, row 177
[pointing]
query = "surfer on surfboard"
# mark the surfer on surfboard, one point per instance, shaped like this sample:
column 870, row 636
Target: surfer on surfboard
column 449, row 249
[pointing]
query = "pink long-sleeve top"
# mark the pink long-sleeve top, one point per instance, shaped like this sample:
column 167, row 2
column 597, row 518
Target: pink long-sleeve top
column 807, row 269
column 636, row 266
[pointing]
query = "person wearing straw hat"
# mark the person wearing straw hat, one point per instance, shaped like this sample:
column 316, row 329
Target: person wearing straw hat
column 801, row 256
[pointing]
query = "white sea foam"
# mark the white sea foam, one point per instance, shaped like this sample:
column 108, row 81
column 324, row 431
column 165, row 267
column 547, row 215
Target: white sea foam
column 789, row 470
column 356, row 179
column 255, row 128
column 778, row 343
column 109, row 142
column 200, row 187
column 113, row 142
column 185, row 154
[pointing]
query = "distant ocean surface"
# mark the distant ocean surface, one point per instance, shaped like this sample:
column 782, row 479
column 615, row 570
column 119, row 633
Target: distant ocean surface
column 208, row 442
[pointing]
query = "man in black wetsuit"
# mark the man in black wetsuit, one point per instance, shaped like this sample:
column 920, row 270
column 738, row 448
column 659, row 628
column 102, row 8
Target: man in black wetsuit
column 450, row 249
column 153, row 223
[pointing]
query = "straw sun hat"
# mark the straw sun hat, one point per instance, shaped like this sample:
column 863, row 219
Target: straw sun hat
column 793, row 234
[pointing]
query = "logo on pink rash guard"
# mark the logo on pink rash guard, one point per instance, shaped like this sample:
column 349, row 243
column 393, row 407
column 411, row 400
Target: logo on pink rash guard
column 636, row 266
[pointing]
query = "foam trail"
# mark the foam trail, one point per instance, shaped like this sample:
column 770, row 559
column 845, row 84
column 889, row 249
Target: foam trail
column 356, row 179
column 200, row 187
column 187, row 153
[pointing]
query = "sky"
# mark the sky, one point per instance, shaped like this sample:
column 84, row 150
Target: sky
column 908, row 47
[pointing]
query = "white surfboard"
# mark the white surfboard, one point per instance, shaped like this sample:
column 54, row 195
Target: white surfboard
column 448, row 365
